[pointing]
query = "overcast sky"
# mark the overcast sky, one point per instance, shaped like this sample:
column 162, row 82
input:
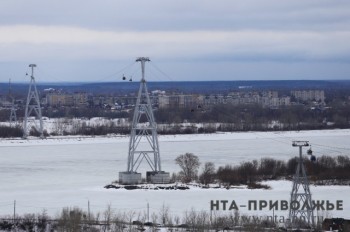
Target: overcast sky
column 90, row 40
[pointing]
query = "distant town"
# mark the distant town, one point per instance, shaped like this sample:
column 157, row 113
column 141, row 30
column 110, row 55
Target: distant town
column 211, row 107
column 271, row 99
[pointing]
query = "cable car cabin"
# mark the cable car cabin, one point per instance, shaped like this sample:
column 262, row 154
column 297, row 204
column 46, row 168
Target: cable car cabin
column 130, row 79
column 124, row 78
column 309, row 152
column 313, row 158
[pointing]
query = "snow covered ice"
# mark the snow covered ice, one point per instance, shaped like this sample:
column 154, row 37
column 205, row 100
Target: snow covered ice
column 59, row 172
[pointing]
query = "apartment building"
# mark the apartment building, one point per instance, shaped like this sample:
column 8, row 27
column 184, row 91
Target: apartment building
column 309, row 95
column 266, row 99
column 179, row 101
column 57, row 99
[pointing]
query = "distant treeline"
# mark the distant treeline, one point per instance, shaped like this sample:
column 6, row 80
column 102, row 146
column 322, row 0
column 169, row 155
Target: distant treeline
column 11, row 132
column 111, row 88
column 321, row 170
column 199, row 119
column 325, row 170
column 258, row 118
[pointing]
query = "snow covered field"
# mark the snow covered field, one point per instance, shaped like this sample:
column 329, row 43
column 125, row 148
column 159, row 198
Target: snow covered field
column 54, row 173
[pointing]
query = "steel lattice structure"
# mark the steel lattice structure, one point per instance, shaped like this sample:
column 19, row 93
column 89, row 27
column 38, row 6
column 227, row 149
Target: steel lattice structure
column 32, row 105
column 13, row 116
column 301, row 195
column 147, row 129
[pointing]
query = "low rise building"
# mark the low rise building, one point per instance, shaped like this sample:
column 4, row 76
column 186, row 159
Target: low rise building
column 309, row 95
column 266, row 99
column 180, row 101
column 57, row 99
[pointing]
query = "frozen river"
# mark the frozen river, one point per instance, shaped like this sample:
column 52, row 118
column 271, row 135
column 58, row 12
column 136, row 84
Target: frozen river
column 54, row 173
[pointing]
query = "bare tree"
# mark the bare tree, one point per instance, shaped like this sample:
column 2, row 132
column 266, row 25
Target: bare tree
column 27, row 222
column 154, row 218
column 129, row 217
column 164, row 214
column 189, row 163
column 208, row 173
column 70, row 220
column 60, row 126
column 119, row 222
column 107, row 215
column 202, row 221
column 177, row 220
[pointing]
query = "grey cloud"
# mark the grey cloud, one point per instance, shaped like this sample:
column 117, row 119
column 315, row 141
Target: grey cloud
column 76, row 43
column 179, row 15
column 254, row 39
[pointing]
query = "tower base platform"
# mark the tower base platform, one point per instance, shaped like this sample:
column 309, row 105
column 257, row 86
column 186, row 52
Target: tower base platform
column 129, row 178
column 158, row 177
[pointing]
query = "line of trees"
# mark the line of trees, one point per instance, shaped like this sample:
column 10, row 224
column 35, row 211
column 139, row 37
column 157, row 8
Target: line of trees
column 76, row 219
column 227, row 117
column 11, row 132
column 69, row 112
column 258, row 118
column 327, row 169
column 83, row 128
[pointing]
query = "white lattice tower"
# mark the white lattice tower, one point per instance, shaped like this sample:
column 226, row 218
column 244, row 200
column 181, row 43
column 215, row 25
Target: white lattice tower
column 32, row 107
column 145, row 130
column 13, row 115
column 301, row 195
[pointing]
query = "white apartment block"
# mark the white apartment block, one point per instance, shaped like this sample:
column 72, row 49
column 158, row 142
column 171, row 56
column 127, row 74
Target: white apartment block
column 309, row 95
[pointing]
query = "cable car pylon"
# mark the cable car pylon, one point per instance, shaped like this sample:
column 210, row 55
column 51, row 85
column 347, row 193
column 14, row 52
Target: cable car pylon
column 13, row 115
column 32, row 106
column 143, row 128
column 301, row 213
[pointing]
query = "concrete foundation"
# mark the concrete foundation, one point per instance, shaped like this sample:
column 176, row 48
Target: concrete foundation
column 158, row 177
column 129, row 178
